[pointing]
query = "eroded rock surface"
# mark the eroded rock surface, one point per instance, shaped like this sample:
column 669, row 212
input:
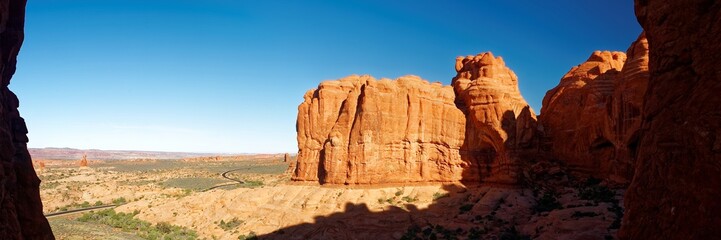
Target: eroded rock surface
column 21, row 215
column 592, row 117
column 676, row 186
column 499, row 121
column 359, row 130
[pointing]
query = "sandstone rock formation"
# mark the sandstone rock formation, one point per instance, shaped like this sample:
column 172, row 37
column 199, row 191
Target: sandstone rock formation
column 575, row 113
column 358, row 130
column 499, row 121
column 286, row 157
column 21, row 215
column 84, row 161
column 677, row 183
column 592, row 117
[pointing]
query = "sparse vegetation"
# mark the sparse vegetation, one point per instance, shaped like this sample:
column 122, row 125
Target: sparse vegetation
column 250, row 236
column 465, row 208
column 546, row 203
column 513, row 234
column 119, row 201
column 409, row 199
column 578, row 214
column 252, row 184
column 230, row 225
column 439, row 195
column 128, row 222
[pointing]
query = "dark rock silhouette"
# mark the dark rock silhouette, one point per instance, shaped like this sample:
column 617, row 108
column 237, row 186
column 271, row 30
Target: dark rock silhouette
column 21, row 215
column 676, row 187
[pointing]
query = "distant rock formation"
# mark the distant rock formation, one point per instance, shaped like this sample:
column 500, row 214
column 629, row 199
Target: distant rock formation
column 676, row 186
column 359, row 130
column 592, row 117
column 21, row 214
column 84, row 161
column 286, row 157
column 39, row 166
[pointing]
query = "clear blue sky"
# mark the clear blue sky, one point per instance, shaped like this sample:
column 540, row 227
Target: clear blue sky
column 227, row 76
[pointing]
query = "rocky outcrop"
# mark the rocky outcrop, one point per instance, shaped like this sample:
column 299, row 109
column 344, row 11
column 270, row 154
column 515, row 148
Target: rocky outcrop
column 499, row 121
column 84, row 161
column 592, row 117
column 21, row 215
column 677, row 182
column 575, row 113
column 359, row 130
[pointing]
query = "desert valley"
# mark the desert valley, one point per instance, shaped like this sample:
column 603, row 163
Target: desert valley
column 625, row 146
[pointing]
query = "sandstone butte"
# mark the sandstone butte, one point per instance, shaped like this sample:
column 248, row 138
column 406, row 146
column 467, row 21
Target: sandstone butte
column 359, row 130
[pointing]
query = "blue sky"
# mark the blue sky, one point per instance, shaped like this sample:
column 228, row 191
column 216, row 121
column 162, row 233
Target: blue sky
column 227, row 76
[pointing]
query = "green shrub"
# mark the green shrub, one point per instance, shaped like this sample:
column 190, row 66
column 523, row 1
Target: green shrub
column 120, row 200
column 230, row 225
column 438, row 195
column 128, row 222
column 250, row 236
column 465, row 208
column 547, row 203
column 513, row 234
column 578, row 214
column 252, row 184
column 409, row 199
column 98, row 203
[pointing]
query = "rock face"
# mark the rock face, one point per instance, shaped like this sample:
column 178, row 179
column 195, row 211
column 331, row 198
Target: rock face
column 499, row 121
column 358, row 130
column 676, row 185
column 592, row 117
column 21, row 215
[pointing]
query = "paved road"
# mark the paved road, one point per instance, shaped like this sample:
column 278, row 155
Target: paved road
column 225, row 175
column 56, row 214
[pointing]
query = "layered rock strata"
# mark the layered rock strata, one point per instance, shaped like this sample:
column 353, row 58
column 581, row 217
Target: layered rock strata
column 21, row 215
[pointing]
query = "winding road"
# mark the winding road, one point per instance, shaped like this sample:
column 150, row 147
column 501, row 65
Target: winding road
column 225, row 175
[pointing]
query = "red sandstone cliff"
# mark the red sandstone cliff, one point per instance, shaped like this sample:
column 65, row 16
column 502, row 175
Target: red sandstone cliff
column 591, row 119
column 358, row 130
column 21, row 215
column 499, row 121
column 676, row 187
